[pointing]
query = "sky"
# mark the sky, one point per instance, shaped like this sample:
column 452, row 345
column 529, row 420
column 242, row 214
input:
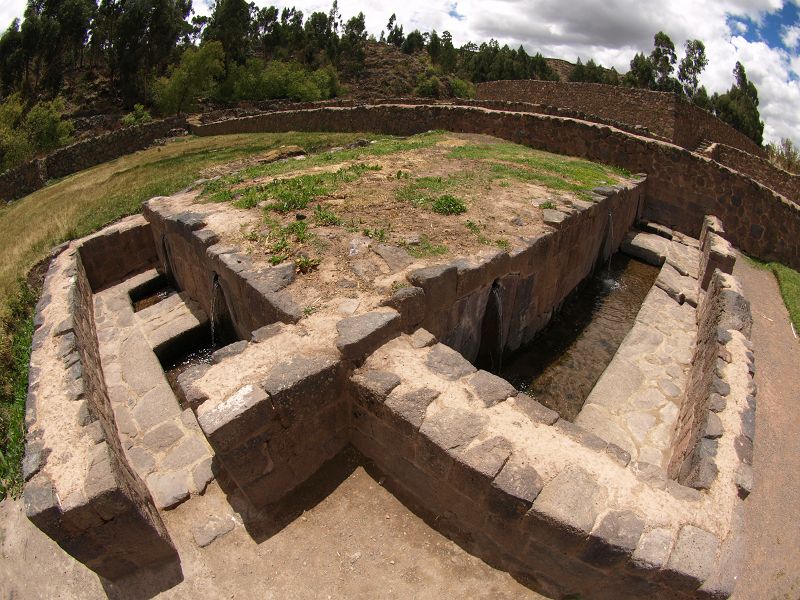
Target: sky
column 763, row 34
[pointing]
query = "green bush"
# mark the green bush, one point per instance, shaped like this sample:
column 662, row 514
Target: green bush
column 23, row 135
column 461, row 88
column 256, row 80
column 449, row 205
column 430, row 87
column 138, row 116
column 194, row 76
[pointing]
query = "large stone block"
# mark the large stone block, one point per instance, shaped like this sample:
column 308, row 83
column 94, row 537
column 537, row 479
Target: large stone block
column 440, row 283
column 363, row 334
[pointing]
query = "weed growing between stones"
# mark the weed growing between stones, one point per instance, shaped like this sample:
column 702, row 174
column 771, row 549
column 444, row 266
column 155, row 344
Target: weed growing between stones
column 304, row 264
column 425, row 248
column 549, row 204
column 379, row 234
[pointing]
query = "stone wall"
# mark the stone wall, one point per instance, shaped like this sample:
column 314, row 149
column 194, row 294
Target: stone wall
column 763, row 171
column 663, row 113
column 531, row 283
column 79, row 487
column 31, row 176
column 190, row 254
column 653, row 110
column 681, row 188
column 722, row 311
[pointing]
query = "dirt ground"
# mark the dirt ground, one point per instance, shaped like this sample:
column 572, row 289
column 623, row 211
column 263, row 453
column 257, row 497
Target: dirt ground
column 772, row 511
column 353, row 540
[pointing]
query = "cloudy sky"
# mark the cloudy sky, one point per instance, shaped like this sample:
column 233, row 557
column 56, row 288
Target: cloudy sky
column 763, row 34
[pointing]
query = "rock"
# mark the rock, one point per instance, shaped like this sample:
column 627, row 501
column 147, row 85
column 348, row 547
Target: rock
column 448, row 363
column 266, row 332
column 673, row 283
column 374, row 385
column 647, row 247
column 572, row 502
column 553, row 217
column 168, row 489
column 190, row 451
column 202, row 474
column 162, row 437
column 694, row 554
column 744, row 480
column 395, row 258
column 229, row 350
column 615, row 538
column 714, row 428
column 652, row 551
column 514, row 489
column 212, row 529
column 422, row 338
column 411, row 406
column 439, row 283
column 155, row 407
column 363, row 334
column 535, row 411
column 491, row 389
column 452, row 428
column 410, row 303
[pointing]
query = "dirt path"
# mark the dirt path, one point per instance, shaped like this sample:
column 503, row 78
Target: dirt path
column 358, row 541
column 772, row 512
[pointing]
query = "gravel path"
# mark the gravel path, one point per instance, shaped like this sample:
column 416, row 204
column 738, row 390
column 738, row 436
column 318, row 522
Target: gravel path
column 772, row 512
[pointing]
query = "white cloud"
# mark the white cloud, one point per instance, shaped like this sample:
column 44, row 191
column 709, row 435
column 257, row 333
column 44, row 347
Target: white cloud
column 790, row 36
column 609, row 31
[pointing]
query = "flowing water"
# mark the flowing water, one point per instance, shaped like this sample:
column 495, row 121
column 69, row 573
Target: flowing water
column 561, row 365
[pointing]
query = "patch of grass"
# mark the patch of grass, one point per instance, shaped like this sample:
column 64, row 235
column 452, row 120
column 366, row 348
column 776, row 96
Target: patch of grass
column 428, row 191
column 295, row 193
column 449, row 205
column 504, row 244
column 512, row 161
column 425, row 248
column 398, row 285
column 788, row 284
column 309, row 310
column 473, row 227
column 548, row 204
column 324, row 216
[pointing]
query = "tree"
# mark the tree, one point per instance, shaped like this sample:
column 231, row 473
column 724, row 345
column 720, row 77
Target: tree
column 434, row 47
column 785, row 155
column 739, row 106
column 229, row 24
column 691, row 66
column 352, row 45
column 641, row 74
column 414, row 42
column 394, row 33
column 663, row 59
column 190, row 79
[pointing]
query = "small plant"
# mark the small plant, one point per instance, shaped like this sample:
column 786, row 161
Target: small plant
column 138, row 116
column 425, row 248
column 251, row 236
column 549, row 204
column 505, row 183
column 280, row 245
column 473, row 227
column 309, row 310
column 277, row 259
column 398, row 285
column 377, row 234
column 449, row 205
column 402, row 174
column 298, row 229
column 323, row 216
column 304, row 264
column 502, row 244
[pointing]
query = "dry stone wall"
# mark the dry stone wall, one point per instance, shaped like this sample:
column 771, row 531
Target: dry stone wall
column 663, row 113
column 31, row 176
column 682, row 187
column 763, row 171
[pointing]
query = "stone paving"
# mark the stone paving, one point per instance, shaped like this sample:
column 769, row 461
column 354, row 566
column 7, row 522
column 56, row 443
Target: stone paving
column 637, row 400
column 163, row 444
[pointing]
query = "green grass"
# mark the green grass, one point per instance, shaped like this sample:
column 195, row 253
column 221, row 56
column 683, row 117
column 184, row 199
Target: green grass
column 550, row 170
column 324, row 216
column 77, row 205
column 788, row 284
column 449, row 205
column 547, row 204
column 426, row 249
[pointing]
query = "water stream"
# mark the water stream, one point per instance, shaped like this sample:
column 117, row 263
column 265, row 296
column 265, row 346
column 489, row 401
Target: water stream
column 561, row 365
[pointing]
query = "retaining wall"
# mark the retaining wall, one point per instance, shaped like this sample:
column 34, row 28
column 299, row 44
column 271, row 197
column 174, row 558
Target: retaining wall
column 79, row 488
column 682, row 187
column 759, row 169
column 663, row 113
column 31, row 176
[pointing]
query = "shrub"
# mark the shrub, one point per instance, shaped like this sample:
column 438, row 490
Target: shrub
column 40, row 130
column 449, row 205
column 190, row 79
column 138, row 116
column 430, row 87
column 256, row 80
column 461, row 88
